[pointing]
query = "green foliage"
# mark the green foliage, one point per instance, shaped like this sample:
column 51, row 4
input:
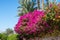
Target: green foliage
column 12, row 37
column 8, row 35
column 26, row 6
column 3, row 36
column 9, row 31
column 0, row 35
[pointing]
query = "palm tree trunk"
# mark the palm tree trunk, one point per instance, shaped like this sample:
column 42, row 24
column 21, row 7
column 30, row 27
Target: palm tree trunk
column 47, row 2
column 38, row 3
column 42, row 4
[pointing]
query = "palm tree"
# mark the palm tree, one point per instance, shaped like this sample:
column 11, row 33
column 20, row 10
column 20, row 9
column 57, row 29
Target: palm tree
column 38, row 3
column 9, row 31
column 47, row 2
column 42, row 4
column 26, row 6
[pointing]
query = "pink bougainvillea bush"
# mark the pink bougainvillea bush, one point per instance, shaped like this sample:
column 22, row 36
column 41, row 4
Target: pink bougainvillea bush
column 40, row 23
column 31, row 23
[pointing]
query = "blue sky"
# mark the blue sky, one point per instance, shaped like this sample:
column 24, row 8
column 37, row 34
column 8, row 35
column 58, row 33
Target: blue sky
column 8, row 14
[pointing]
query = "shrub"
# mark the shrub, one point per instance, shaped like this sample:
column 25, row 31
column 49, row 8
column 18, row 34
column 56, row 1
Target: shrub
column 12, row 37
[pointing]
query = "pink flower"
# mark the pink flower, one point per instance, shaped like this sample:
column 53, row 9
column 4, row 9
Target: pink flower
column 51, row 5
column 29, row 21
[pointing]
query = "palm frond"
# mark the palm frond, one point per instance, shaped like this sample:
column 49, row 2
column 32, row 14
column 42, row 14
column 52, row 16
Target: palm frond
column 27, row 6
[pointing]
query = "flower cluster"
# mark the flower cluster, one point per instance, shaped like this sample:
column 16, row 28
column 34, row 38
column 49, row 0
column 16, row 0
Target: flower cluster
column 31, row 23
column 52, row 17
column 39, row 22
column 53, row 12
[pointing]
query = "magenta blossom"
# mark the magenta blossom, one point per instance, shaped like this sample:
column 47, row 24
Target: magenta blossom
column 30, row 23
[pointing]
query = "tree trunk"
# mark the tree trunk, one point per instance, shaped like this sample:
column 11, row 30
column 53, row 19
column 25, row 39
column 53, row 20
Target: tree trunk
column 42, row 4
column 38, row 3
column 47, row 2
